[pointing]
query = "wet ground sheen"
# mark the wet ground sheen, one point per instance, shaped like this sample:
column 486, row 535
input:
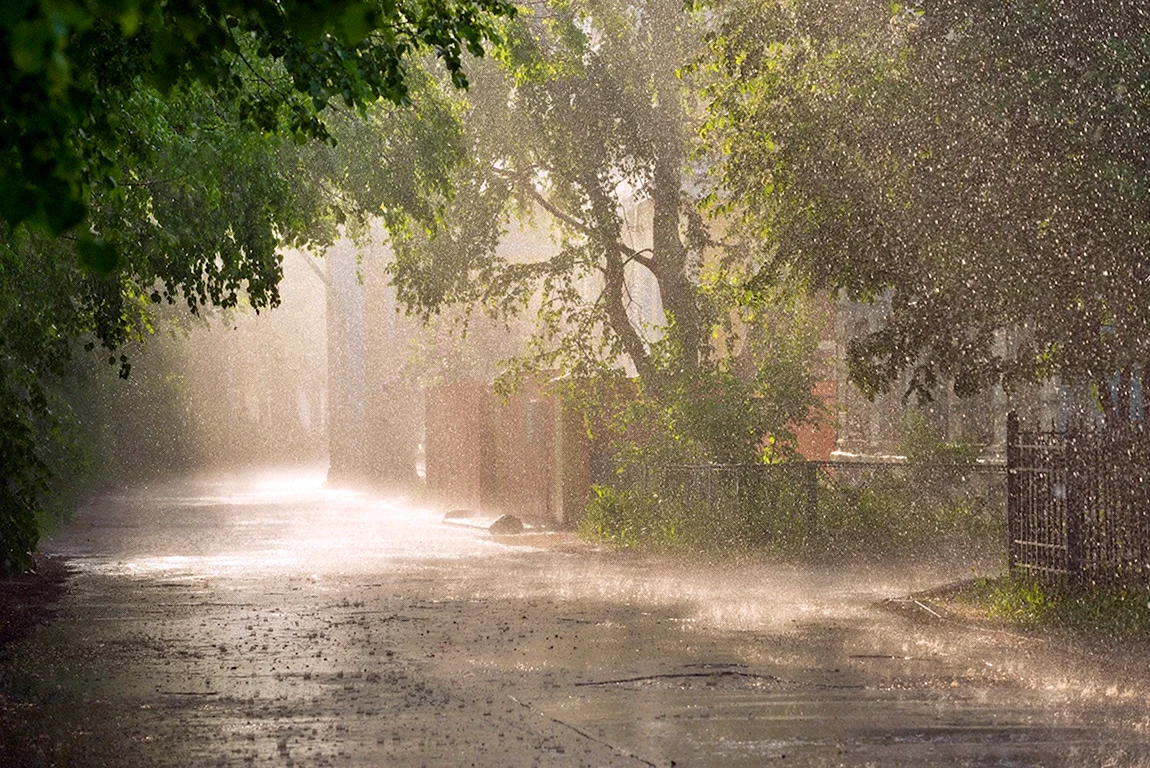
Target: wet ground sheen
column 267, row 621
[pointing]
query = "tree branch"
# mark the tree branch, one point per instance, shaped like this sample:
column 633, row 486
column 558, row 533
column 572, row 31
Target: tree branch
column 574, row 223
column 318, row 273
column 640, row 256
column 154, row 182
column 240, row 52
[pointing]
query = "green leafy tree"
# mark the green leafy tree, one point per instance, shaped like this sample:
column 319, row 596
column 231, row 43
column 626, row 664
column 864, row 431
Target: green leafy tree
column 981, row 166
column 147, row 154
column 199, row 222
column 278, row 64
column 585, row 127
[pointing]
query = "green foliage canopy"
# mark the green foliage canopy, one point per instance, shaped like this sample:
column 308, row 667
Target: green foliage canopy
column 148, row 153
column 982, row 166
column 583, row 128
column 69, row 66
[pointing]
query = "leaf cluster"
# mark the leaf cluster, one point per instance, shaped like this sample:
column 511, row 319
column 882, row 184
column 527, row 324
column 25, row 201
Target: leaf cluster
column 70, row 64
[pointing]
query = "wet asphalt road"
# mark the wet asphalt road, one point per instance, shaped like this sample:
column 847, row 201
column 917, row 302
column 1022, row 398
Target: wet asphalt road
column 267, row 621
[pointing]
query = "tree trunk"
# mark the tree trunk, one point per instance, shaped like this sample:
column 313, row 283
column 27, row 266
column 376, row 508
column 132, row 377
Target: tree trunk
column 670, row 259
column 1122, row 403
column 676, row 289
column 615, row 290
column 1109, row 404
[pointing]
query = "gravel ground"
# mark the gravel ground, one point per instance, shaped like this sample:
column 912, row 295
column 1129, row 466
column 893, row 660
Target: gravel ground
column 266, row 621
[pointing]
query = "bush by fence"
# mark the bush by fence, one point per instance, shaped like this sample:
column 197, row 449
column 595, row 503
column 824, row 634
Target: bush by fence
column 835, row 508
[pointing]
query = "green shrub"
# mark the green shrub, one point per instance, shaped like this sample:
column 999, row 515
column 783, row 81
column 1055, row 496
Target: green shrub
column 630, row 519
column 1024, row 601
column 899, row 512
column 921, row 443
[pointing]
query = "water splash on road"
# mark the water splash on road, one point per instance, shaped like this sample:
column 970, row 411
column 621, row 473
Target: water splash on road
column 269, row 598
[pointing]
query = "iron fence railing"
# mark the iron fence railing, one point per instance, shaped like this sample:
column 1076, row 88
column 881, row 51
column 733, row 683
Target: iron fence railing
column 1078, row 507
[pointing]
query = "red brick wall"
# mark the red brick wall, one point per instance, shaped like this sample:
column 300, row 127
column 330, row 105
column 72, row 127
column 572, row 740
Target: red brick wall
column 525, row 457
column 816, row 443
column 457, row 443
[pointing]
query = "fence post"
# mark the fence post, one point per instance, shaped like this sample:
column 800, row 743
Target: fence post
column 1077, row 496
column 813, row 497
column 1013, row 502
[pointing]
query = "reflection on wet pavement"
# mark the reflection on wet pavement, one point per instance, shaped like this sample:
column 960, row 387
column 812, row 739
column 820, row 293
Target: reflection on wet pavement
column 270, row 621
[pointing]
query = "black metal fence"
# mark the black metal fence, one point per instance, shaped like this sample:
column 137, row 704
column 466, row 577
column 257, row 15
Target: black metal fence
column 837, row 505
column 1078, row 504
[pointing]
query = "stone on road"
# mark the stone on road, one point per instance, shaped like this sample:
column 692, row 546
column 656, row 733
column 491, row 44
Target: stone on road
column 273, row 622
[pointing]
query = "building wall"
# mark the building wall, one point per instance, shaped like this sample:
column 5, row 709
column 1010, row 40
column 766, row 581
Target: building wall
column 346, row 365
column 525, row 467
column 527, row 456
column 877, row 426
column 394, row 408
column 458, row 444
column 816, row 442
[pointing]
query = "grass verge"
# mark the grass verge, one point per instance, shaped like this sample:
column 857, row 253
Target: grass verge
column 1022, row 602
